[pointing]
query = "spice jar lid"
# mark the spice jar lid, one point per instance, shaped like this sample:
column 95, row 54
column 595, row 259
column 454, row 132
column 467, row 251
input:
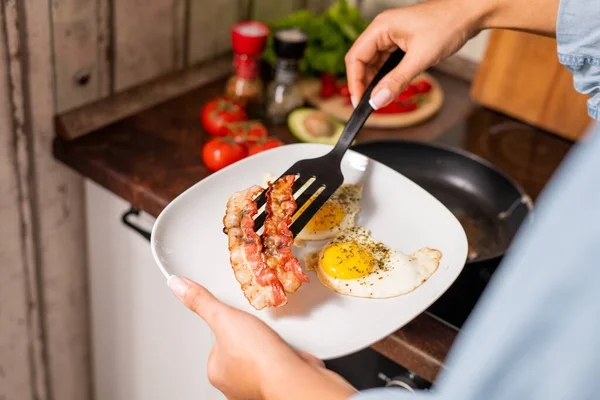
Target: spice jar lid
column 290, row 43
column 249, row 37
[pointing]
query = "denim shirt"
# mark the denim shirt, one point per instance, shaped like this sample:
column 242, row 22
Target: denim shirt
column 578, row 38
column 535, row 333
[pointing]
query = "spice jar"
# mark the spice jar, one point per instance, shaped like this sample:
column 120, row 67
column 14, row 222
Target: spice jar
column 283, row 94
column 248, row 42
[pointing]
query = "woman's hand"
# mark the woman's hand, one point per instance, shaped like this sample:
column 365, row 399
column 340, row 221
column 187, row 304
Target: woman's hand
column 430, row 32
column 249, row 360
column 427, row 32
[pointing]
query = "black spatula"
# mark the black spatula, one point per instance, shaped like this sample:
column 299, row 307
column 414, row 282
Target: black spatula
column 319, row 178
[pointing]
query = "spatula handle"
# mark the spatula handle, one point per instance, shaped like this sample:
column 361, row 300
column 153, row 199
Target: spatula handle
column 363, row 109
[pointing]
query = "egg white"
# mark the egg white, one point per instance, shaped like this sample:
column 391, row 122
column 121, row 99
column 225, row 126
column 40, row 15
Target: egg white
column 395, row 273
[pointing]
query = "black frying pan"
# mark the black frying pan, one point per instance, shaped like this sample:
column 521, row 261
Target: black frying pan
column 489, row 205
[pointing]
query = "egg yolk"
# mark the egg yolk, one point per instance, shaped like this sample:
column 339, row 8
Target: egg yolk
column 347, row 260
column 328, row 217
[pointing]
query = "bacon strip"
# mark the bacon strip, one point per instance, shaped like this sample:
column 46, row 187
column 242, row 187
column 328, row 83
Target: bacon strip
column 277, row 237
column 259, row 282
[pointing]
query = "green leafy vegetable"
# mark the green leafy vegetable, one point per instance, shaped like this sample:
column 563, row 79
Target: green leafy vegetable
column 330, row 36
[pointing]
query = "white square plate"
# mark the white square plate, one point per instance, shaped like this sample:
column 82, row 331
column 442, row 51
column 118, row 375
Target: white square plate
column 187, row 240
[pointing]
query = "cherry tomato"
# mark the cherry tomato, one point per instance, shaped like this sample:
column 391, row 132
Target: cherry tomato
column 269, row 143
column 422, row 86
column 247, row 133
column 218, row 153
column 396, row 108
column 343, row 90
column 328, row 85
column 407, row 94
column 219, row 112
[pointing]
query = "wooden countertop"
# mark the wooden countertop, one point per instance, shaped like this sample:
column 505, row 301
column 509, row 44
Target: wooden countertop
column 153, row 155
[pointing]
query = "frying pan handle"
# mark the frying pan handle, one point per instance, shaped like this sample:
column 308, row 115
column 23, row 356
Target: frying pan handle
column 525, row 199
column 363, row 109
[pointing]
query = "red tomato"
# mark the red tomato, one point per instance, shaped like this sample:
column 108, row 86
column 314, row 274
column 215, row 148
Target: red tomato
column 218, row 153
column 423, row 86
column 219, row 112
column 407, row 94
column 328, row 85
column 343, row 90
column 396, row 108
column 269, row 143
column 247, row 133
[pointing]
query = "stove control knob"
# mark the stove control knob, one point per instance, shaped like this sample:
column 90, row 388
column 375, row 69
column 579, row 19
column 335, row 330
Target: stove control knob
column 403, row 381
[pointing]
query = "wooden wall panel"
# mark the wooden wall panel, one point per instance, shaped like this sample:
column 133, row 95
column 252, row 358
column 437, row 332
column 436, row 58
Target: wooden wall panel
column 15, row 368
column 23, row 359
column 269, row 10
column 370, row 8
column 43, row 312
column 80, row 30
column 58, row 221
column 210, row 26
column 318, row 6
column 18, row 364
column 148, row 39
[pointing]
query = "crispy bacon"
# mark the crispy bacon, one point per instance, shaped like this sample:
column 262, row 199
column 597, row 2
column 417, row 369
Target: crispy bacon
column 277, row 237
column 259, row 282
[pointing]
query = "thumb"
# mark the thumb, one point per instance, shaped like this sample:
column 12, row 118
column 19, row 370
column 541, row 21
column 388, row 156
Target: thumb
column 396, row 80
column 197, row 299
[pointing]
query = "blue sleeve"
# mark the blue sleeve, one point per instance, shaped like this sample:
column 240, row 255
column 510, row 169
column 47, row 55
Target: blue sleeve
column 578, row 39
column 534, row 333
column 391, row 394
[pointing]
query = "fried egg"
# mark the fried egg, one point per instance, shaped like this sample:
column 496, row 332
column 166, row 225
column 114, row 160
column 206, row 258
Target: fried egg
column 336, row 215
column 357, row 265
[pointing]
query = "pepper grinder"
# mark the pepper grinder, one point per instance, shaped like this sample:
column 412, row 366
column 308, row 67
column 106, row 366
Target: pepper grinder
column 283, row 94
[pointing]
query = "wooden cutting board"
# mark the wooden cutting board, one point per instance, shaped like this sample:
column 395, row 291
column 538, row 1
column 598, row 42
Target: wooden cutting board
column 338, row 107
column 520, row 76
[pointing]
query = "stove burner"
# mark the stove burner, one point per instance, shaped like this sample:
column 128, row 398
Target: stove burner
column 527, row 154
column 515, row 146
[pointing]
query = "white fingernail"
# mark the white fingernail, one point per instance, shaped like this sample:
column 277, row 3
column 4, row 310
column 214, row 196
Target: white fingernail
column 381, row 99
column 353, row 100
column 178, row 286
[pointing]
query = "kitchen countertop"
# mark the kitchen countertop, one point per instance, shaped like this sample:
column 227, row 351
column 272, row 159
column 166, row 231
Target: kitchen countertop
column 151, row 157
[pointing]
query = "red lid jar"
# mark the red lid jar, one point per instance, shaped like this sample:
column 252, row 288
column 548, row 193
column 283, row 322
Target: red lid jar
column 248, row 42
column 248, row 39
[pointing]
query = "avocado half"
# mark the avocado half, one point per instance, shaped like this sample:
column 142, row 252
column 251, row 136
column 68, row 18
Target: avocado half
column 313, row 126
